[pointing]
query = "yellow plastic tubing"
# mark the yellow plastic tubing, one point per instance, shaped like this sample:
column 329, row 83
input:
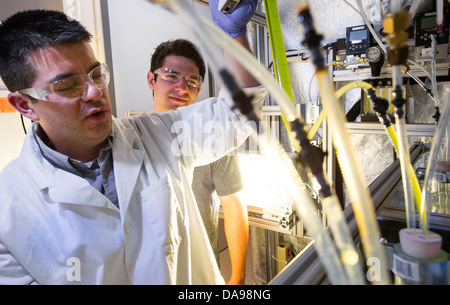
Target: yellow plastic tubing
column 353, row 176
column 391, row 133
column 405, row 161
column 339, row 93
column 415, row 182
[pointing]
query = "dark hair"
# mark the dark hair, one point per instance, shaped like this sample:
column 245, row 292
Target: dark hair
column 178, row 47
column 28, row 31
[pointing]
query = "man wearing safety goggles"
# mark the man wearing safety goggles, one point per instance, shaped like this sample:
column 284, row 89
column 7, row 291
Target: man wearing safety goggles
column 176, row 74
column 94, row 199
column 215, row 184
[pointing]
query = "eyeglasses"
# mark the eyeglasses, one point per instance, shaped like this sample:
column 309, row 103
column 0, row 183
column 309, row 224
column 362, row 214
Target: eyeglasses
column 70, row 88
column 170, row 75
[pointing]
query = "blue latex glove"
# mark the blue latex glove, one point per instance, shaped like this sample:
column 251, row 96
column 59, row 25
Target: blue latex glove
column 234, row 24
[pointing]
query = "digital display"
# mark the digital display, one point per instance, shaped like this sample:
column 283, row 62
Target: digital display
column 358, row 35
column 358, row 39
column 428, row 23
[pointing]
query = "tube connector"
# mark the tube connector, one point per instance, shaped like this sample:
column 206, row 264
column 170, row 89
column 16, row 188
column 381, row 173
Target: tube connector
column 311, row 157
column 437, row 114
column 312, row 39
column 399, row 102
column 242, row 101
column 395, row 25
column 381, row 107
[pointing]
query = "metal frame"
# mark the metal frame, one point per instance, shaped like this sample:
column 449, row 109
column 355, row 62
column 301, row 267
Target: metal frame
column 386, row 72
column 306, row 268
column 271, row 220
column 419, row 130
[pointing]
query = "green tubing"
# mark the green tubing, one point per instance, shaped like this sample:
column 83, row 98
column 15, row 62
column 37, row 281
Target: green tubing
column 280, row 63
column 277, row 46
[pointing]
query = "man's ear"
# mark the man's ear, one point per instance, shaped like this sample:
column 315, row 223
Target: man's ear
column 23, row 105
column 151, row 80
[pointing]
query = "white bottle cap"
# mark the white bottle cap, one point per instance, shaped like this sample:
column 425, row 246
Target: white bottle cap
column 419, row 245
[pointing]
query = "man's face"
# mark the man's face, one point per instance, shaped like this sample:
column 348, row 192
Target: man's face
column 169, row 95
column 85, row 122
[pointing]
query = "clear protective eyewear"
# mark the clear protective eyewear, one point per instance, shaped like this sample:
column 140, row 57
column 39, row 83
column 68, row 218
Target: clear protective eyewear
column 170, row 75
column 70, row 88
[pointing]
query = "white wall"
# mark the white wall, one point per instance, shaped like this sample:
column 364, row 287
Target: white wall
column 137, row 27
column 9, row 7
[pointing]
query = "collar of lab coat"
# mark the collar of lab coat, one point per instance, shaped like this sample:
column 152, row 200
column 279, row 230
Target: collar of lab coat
column 60, row 186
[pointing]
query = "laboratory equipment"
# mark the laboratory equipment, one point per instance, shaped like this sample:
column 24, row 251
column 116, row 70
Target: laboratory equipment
column 353, row 174
column 228, row 6
column 425, row 28
column 435, row 187
column 395, row 25
column 366, row 53
column 375, row 56
column 359, row 39
column 409, row 270
column 284, row 254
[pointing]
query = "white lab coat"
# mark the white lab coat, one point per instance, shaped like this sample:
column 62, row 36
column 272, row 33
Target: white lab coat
column 55, row 228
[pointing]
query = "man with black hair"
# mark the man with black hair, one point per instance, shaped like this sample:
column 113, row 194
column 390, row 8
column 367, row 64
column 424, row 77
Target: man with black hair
column 177, row 71
column 93, row 199
column 175, row 77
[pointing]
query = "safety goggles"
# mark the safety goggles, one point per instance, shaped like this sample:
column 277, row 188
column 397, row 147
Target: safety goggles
column 70, row 88
column 170, row 75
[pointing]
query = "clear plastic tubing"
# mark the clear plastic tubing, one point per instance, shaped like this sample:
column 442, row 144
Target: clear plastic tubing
column 260, row 72
column 439, row 14
column 403, row 151
column 307, row 211
column 353, row 175
column 422, row 85
column 303, row 202
column 339, row 93
column 370, row 27
column 431, row 168
column 269, row 82
column 415, row 182
column 405, row 160
column 413, row 9
column 396, row 6
column 433, row 70
column 390, row 130
column 349, row 255
column 424, row 70
column 352, row 171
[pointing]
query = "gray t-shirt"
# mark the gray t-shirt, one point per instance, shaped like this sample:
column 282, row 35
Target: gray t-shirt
column 222, row 177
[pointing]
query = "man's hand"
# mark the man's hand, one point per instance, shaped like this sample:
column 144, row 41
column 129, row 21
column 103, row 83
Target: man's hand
column 234, row 24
